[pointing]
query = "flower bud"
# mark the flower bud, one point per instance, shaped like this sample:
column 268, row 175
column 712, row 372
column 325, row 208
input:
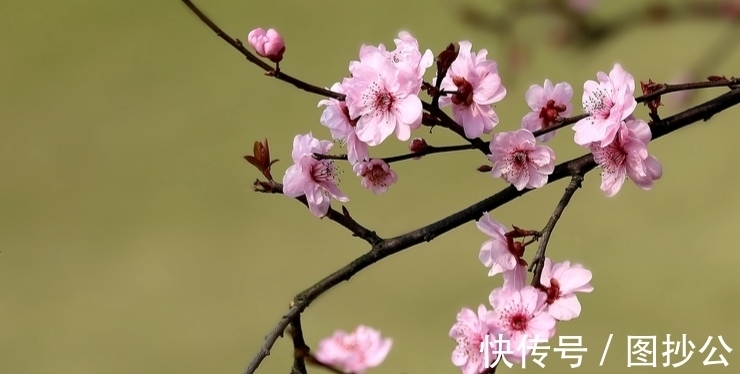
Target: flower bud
column 417, row 145
column 268, row 44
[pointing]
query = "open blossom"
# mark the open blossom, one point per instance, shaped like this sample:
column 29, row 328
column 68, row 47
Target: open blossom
column 383, row 98
column 608, row 102
column 354, row 352
column 470, row 333
column 519, row 160
column 627, row 156
column 342, row 128
column 317, row 179
column 560, row 281
column 407, row 57
column 520, row 314
column 376, row 175
column 548, row 103
column 268, row 44
column 477, row 85
column 496, row 253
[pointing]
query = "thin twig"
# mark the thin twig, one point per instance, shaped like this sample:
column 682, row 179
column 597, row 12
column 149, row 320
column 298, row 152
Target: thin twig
column 388, row 247
column 539, row 257
column 428, row 150
column 300, row 349
column 343, row 219
column 255, row 60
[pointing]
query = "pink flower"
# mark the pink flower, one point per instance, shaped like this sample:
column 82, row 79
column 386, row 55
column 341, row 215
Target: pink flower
column 317, row 179
column 627, row 156
column 496, row 252
column 516, row 278
column 342, row 128
column 470, row 333
column 354, row 352
column 608, row 102
column 383, row 97
column 519, row 313
column 376, row 175
column 548, row 104
column 560, row 282
column 406, row 56
column 268, row 44
column 519, row 160
column 477, row 85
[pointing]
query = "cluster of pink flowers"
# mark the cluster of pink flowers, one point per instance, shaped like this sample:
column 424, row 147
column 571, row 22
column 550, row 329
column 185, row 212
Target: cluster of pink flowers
column 381, row 98
column 521, row 315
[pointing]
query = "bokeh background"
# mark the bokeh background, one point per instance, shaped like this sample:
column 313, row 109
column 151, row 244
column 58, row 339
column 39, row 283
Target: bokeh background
column 131, row 242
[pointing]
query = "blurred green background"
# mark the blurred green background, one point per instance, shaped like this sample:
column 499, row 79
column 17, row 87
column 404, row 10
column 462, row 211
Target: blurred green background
column 131, row 242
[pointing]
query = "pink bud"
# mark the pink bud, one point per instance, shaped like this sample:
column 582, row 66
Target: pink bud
column 417, row 145
column 268, row 44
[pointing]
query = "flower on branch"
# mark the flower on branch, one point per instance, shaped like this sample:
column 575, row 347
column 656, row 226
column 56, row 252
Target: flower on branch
column 500, row 253
column 627, row 156
column 608, row 102
column 336, row 117
column 382, row 93
column 520, row 314
column 268, row 44
column 519, row 160
column 470, row 332
column 376, row 175
column 354, row 352
column 548, row 103
column 476, row 86
column 317, row 179
column 560, row 281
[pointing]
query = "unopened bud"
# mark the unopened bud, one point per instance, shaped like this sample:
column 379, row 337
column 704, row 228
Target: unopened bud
column 485, row 168
column 268, row 44
column 418, row 145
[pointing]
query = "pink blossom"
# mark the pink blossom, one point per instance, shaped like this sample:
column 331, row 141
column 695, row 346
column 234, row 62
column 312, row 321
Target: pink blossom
column 470, row 333
column 268, row 44
column 384, row 98
column 516, row 278
column 560, row 282
column 520, row 314
column 317, row 179
column 608, row 102
column 548, row 104
column 477, row 85
column 376, row 175
column 627, row 156
column 406, row 56
column 519, row 160
column 354, row 352
column 496, row 252
column 342, row 128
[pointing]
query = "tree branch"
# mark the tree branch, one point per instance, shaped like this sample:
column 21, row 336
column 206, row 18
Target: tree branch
column 388, row 247
column 343, row 219
column 539, row 257
column 270, row 71
column 300, row 349
column 428, row 150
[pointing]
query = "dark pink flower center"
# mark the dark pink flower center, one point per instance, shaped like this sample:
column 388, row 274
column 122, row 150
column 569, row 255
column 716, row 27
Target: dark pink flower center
column 464, row 94
column 551, row 113
column 376, row 175
column 324, row 171
column 520, row 158
column 519, row 322
column 553, row 292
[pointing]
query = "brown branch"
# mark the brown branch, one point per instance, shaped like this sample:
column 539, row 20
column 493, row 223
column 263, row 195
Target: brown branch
column 343, row 219
column 270, row 71
column 671, row 88
column 428, row 150
column 539, row 258
column 388, row 247
column 300, row 349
